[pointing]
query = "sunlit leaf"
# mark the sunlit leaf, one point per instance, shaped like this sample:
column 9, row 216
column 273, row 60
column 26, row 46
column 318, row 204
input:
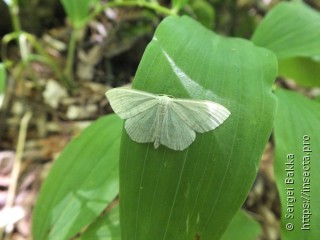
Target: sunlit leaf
column 291, row 29
column 82, row 182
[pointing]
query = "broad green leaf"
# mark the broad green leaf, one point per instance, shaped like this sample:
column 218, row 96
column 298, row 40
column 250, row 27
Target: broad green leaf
column 290, row 30
column 106, row 227
column 242, row 227
column 77, row 10
column 297, row 155
column 194, row 194
column 82, row 182
column 304, row 71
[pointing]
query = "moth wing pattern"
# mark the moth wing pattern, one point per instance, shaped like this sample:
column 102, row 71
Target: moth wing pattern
column 142, row 126
column 175, row 133
column 202, row 116
column 127, row 103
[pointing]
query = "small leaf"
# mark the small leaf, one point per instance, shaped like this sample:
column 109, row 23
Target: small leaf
column 204, row 12
column 81, row 183
column 291, row 29
column 77, row 10
column 297, row 165
column 304, row 71
column 178, row 4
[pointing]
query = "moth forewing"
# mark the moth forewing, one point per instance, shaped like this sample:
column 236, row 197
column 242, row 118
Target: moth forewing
column 142, row 127
column 201, row 116
column 127, row 103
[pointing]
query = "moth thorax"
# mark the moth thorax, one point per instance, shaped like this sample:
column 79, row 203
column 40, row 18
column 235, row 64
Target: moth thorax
column 164, row 100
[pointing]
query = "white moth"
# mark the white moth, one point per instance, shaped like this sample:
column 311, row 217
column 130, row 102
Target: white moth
column 165, row 120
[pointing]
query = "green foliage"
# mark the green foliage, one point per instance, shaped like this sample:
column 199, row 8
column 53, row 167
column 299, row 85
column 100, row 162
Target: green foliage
column 291, row 29
column 79, row 13
column 296, row 130
column 204, row 12
column 197, row 192
column 178, row 4
column 242, row 227
column 155, row 182
column 2, row 78
column 107, row 227
column 82, row 182
column 305, row 71
column 77, row 10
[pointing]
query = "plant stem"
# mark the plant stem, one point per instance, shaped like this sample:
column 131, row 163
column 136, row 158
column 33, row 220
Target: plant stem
column 44, row 57
column 71, row 53
column 19, row 35
column 19, row 152
column 73, row 39
column 153, row 6
column 14, row 13
column 18, row 159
